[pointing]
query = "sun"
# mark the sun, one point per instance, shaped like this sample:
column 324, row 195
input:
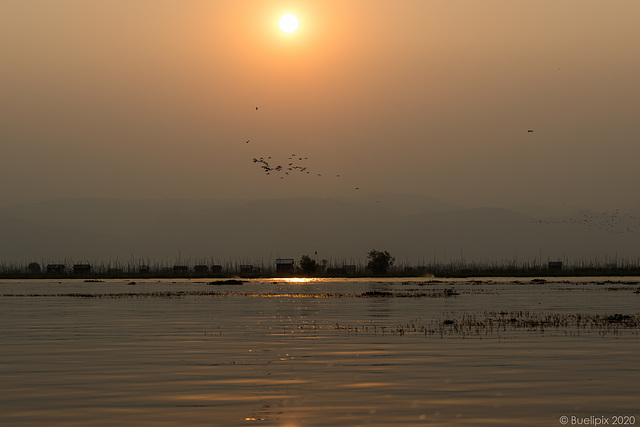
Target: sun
column 289, row 23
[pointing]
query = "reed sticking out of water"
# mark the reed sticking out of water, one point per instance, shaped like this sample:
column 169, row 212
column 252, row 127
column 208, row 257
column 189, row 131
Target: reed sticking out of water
column 507, row 325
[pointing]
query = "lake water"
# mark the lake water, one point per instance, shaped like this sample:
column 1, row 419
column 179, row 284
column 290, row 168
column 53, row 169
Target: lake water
column 326, row 352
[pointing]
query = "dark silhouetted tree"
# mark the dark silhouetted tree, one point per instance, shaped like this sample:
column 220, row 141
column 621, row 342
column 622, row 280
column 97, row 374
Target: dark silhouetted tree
column 379, row 261
column 34, row 268
column 308, row 265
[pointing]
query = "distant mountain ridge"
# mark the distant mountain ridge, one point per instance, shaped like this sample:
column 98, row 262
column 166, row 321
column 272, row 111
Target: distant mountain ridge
column 415, row 229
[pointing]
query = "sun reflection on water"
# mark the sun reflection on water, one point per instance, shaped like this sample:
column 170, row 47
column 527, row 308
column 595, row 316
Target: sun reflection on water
column 296, row 279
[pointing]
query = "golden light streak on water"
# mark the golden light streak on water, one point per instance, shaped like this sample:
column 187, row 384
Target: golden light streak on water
column 297, row 279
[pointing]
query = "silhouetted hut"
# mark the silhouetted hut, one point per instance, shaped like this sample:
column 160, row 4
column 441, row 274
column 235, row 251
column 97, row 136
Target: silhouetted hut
column 144, row 269
column 55, row 268
column 350, row 269
column 336, row 271
column 249, row 270
column 285, row 266
column 181, row 269
column 216, row 269
column 81, row 269
column 555, row 265
column 345, row 270
column 201, row 269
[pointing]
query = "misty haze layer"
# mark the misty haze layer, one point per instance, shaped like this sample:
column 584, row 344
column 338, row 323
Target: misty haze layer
column 416, row 230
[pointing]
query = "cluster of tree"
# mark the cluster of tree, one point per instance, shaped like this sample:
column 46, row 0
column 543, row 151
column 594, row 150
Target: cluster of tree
column 308, row 265
column 379, row 262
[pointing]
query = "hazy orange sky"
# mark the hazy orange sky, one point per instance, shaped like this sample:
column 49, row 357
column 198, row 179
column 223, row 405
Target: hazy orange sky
column 155, row 99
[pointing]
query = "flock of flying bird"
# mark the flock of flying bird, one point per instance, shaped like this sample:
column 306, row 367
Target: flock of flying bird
column 294, row 164
column 614, row 222
column 291, row 167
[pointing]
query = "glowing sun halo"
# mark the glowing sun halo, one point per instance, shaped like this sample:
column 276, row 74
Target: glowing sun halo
column 289, row 23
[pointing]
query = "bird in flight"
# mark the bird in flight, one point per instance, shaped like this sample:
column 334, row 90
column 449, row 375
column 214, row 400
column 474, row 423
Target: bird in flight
column 530, row 130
